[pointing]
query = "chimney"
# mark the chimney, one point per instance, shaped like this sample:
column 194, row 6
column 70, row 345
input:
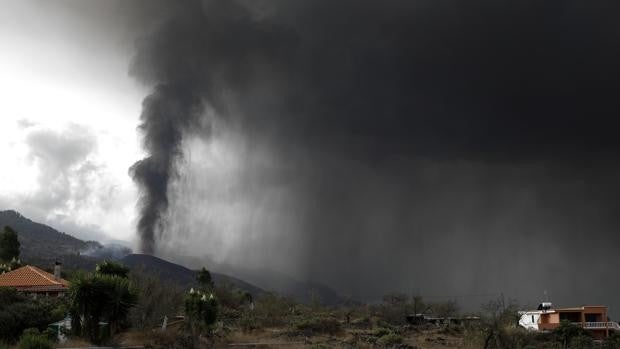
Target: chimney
column 57, row 267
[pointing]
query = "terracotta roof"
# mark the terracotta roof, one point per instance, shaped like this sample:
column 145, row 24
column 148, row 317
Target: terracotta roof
column 32, row 279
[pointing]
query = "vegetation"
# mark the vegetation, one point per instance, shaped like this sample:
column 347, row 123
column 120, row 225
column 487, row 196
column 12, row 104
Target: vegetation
column 112, row 269
column 33, row 339
column 204, row 280
column 100, row 297
column 124, row 299
column 9, row 250
column 390, row 340
column 497, row 317
column 570, row 335
column 156, row 300
column 9, row 245
column 12, row 265
column 19, row 312
column 201, row 307
column 318, row 324
column 273, row 310
column 613, row 342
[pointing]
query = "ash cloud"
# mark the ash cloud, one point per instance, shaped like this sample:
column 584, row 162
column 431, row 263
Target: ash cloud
column 413, row 145
column 170, row 112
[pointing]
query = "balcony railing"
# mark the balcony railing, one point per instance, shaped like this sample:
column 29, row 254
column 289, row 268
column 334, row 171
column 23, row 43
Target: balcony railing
column 600, row 325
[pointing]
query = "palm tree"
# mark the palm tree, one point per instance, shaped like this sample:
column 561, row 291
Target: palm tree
column 121, row 298
column 87, row 302
column 96, row 297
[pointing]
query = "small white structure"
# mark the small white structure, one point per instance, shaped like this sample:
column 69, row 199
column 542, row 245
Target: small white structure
column 531, row 318
column 62, row 327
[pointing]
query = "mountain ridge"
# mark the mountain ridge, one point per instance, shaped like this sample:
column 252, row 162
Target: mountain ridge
column 43, row 245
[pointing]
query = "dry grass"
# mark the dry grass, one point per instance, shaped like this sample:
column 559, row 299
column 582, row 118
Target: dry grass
column 278, row 338
column 350, row 338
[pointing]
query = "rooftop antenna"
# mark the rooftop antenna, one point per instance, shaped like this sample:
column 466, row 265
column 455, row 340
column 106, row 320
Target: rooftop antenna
column 546, row 296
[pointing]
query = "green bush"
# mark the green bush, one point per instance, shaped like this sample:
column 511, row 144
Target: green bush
column 381, row 331
column 201, row 308
column 33, row 340
column 100, row 297
column 582, row 342
column 112, row 269
column 272, row 309
column 318, row 324
column 4, row 345
column 390, row 339
column 18, row 312
column 361, row 323
column 613, row 342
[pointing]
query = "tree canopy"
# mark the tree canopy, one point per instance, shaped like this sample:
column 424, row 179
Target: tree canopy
column 9, row 245
column 100, row 297
column 112, row 268
column 204, row 279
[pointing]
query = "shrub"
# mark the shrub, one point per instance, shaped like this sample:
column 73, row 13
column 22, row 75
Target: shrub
column 201, row 309
column 318, row 324
column 100, row 297
column 32, row 331
column 381, row 331
column 361, row 323
column 34, row 340
column 394, row 309
column 112, row 269
column 248, row 322
column 567, row 331
column 156, row 299
column 272, row 310
column 18, row 312
column 613, row 342
column 4, row 345
column 582, row 342
column 390, row 339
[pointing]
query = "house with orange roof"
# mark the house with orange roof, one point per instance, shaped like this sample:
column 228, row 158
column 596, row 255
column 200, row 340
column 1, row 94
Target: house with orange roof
column 592, row 318
column 32, row 280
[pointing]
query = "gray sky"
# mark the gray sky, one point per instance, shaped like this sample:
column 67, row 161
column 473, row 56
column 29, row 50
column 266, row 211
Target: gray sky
column 69, row 114
column 434, row 147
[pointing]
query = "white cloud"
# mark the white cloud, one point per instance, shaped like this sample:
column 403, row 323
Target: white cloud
column 70, row 185
column 68, row 118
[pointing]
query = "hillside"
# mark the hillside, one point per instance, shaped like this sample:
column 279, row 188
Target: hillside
column 180, row 275
column 269, row 280
column 39, row 241
column 300, row 291
column 42, row 245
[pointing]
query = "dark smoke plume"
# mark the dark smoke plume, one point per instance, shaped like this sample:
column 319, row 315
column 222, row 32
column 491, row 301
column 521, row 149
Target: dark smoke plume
column 193, row 61
column 168, row 113
column 455, row 147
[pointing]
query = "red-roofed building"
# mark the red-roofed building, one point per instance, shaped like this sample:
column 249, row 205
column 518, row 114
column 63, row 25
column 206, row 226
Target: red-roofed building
column 32, row 280
column 592, row 318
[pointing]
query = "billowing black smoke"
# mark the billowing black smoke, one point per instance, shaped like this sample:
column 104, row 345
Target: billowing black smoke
column 193, row 61
column 454, row 147
column 168, row 114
